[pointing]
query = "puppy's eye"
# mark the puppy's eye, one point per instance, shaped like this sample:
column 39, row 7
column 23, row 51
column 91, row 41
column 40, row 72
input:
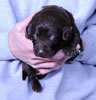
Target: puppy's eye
column 52, row 37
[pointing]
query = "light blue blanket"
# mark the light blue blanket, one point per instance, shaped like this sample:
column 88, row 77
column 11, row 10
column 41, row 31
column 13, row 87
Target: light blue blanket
column 76, row 81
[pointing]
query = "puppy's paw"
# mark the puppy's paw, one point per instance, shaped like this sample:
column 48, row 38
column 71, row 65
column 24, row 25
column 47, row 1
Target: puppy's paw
column 24, row 75
column 36, row 86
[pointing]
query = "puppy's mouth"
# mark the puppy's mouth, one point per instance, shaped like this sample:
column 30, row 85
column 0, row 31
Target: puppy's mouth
column 44, row 54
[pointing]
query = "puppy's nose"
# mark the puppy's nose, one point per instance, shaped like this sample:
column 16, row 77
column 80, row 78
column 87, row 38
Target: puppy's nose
column 41, row 51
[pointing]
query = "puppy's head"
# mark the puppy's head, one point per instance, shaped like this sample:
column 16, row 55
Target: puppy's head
column 50, row 30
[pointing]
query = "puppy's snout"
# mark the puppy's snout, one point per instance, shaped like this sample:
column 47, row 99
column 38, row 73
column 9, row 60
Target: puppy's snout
column 42, row 50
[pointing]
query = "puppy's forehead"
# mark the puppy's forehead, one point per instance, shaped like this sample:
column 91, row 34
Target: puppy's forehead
column 45, row 28
column 45, row 25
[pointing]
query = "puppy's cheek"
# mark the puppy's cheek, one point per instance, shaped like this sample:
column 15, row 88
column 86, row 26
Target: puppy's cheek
column 35, row 49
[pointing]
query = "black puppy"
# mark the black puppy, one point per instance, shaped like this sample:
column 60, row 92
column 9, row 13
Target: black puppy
column 50, row 30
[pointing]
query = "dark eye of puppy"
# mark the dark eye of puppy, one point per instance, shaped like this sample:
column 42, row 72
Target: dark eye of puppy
column 51, row 37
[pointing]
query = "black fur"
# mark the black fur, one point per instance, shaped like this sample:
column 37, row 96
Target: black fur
column 51, row 29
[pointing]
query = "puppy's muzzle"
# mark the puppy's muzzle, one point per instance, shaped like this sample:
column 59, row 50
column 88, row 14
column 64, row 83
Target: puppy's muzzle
column 42, row 50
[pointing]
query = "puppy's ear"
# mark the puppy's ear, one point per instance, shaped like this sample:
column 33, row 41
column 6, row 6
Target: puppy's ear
column 28, row 31
column 67, row 33
column 76, row 33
